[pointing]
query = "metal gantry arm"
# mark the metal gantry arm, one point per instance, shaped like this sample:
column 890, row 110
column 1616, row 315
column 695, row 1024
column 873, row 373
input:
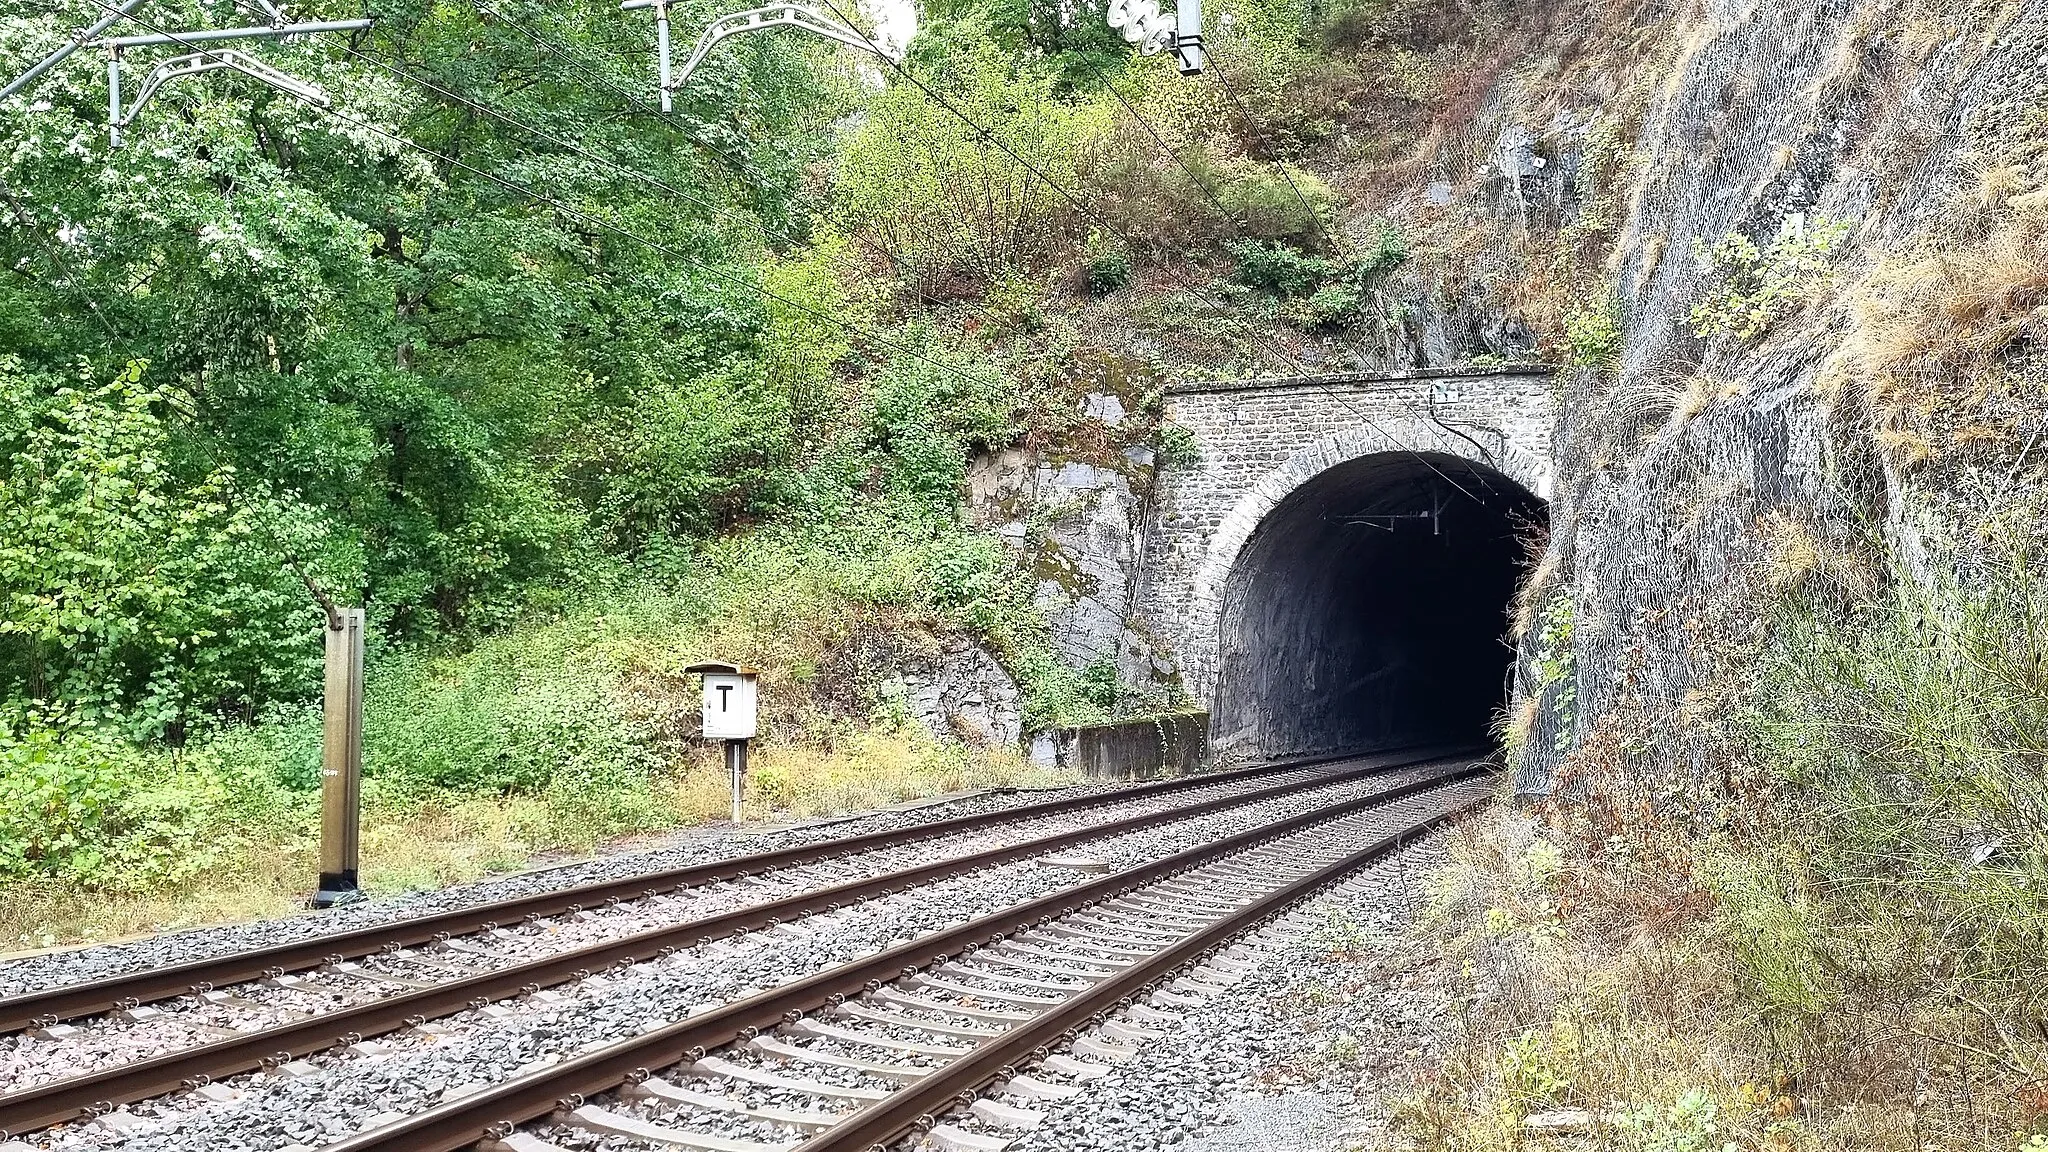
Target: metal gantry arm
column 180, row 67
column 193, row 64
column 792, row 15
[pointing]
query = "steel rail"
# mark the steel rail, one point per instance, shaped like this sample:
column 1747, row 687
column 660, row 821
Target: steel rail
column 51, row 1005
column 76, row 1096
column 493, row 1111
column 917, row 1103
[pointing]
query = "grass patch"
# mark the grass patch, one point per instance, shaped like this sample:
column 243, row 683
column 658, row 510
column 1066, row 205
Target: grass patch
column 555, row 736
column 413, row 841
column 1843, row 946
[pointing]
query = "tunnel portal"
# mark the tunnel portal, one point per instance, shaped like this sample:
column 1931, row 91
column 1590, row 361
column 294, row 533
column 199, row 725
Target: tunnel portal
column 1370, row 609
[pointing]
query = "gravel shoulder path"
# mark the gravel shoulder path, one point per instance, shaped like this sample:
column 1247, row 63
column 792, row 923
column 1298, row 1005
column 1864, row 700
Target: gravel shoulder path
column 678, row 849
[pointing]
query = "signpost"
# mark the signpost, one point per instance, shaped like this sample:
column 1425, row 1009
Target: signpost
column 341, row 759
column 730, row 715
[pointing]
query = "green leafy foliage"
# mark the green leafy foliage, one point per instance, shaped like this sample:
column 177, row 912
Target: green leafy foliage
column 130, row 588
column 264, row 346
column 1279, row 269
column 1593, row 334
column 1758, row 285
column 956, row 210
column 1178, row 447
column 81, row 803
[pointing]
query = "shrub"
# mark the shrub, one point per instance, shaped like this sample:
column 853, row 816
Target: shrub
column 1108, row 267
column 80, row 804
column 126, row 586
column 1264, row 205
column 1178, row 447
column 1592, row 333
column 922, row 183
column 1758, row 285
column 1332, row 305
column 1277, row 268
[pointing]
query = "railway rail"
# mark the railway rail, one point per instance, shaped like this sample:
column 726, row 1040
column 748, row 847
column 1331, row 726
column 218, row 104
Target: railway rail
column 121, row 992
column 986, row 1004
column 400, row 1003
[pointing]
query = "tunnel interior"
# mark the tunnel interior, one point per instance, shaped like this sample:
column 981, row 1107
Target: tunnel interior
column 1370, row 609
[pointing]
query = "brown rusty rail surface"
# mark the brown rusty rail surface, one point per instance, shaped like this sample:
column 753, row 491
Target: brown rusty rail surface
column 77, row 1096
column 51, row 1005
column 494, row 1111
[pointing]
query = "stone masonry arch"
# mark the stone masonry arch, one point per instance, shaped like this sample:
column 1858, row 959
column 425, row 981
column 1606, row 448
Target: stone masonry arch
column 1262, row 444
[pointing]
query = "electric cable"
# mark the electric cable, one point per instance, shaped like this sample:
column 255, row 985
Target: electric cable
column 1193, row 289
column 578, row 214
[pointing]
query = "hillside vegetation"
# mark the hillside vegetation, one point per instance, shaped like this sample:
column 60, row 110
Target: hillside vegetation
column 569, row 393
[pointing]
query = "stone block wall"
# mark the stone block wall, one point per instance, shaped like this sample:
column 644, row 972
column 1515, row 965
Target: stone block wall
column 1260, row 440
column 1132, row 750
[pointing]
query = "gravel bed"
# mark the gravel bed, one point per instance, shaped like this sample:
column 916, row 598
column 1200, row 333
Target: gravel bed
column 685, row 848
column 1303, row 1054
column 331, row 1095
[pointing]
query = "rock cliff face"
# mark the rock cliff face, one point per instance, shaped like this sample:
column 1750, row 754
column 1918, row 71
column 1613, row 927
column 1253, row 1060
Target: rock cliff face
column 1820, row 225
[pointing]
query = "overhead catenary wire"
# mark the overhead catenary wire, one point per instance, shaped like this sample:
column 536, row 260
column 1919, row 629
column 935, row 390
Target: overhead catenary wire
column 1316, row 218
column 738, row 162
column 1216, row 199
column 935, row 97
column 578, row 214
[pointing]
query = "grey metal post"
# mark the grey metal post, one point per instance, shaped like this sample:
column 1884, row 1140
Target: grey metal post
column 661, row 47
column 736, row 764
column 114, row 97
column 64, row 53
column 341, row 760
column 1187, row 39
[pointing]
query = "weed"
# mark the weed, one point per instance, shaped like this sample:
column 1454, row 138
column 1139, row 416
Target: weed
column 1592, row 334
column 1758, row 285
column 1178, row 447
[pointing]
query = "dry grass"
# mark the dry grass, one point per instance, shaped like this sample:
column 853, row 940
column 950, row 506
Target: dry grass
column 418, row 846
column 1607, row 978
column 1935, row 334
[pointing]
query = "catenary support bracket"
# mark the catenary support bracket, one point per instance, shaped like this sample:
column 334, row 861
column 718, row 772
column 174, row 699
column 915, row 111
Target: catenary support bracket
column 737, row 23
column 198, row 63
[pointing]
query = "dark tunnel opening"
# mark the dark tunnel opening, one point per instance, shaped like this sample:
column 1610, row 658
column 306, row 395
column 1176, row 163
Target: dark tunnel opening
column 1370, row 609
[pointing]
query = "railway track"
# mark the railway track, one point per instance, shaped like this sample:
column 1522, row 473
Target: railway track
column 888, row 1047
column 468, row 980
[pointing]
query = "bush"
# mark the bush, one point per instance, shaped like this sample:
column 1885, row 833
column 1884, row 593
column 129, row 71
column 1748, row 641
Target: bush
column 1178, row 447
column 923, row 184
column 1909, row 735
column 1593, row 334
column 80, row 804
column 128, row 587
column 1332, row 306
column 1107, row 270
column 1264, row 205
column 1277, row 268
column 1758, row 285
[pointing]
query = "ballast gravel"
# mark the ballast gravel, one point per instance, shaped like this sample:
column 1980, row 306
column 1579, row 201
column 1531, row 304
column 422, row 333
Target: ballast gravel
column 1303, row 1054
column 329, row 1096
column 683, row 849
